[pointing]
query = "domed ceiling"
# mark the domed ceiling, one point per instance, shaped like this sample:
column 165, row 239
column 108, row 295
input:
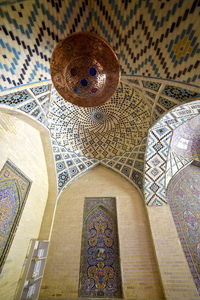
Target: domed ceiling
column 105, row 131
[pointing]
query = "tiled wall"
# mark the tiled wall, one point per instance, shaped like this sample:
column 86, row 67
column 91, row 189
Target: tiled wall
column 123, row 149
column 159, row 140
column 183, row 194
column 14, row 187
column 151, row 38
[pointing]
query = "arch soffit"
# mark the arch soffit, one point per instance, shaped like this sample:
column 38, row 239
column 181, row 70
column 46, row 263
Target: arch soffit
column 158, row 144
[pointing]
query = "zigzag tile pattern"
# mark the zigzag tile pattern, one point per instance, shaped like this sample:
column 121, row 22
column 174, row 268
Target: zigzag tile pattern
column 151, row 38
column 159, row 139
column 29, row 31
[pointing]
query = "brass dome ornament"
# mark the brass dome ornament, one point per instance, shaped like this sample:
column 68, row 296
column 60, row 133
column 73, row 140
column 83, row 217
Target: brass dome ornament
column 85, row 70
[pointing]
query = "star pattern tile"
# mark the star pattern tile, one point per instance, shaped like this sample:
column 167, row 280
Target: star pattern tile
column 106, row 131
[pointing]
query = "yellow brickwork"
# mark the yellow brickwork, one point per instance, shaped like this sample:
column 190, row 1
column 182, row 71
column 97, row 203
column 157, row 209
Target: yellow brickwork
column 21, row 143
column 175, row 273
column 140, row 276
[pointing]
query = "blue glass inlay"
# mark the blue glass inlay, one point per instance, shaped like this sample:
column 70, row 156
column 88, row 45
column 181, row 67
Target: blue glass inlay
column 84, row 82
column 92, row 71
column 76, row 90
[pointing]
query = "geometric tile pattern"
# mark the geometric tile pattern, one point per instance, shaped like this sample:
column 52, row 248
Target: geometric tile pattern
column 152, row 85
column 175, row 163
column 103, row 132
column 169, row 95
column 100, row 274
column 130, row 165
column 186, row 139
column 183, row 196
column 70, row 161
column 33, row 101
column 178, row 93
column 152, row 38
column 15, row 98
column 14, row 188
column 69, row 165
column 160, row 42
column 159, row 140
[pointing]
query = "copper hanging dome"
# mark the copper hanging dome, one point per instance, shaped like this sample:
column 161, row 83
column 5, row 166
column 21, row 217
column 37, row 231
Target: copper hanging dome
column 85, row 70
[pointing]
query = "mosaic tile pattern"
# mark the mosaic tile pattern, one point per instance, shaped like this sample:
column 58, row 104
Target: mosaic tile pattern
column 178, row 93
column 107, row 131
column 127, row 159
column 40, row 89
column 186, row 139
column 166, row 103
column 34, row 101
column 183, row 196
column 153, row 96
column 100, row 274
column 14, row 188
column 169, row 95
column 162, row 41
column 175, row 163
column 159, row 140
column 130, row 165
column 69, row 165
column 12, row 99
column 152, row 85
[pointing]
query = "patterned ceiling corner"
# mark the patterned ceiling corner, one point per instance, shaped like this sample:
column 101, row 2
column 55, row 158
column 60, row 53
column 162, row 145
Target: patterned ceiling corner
column 33, row 101
column 101, row 132
column 162, row 95
column 69, row 165
column 157, row 154
column 29, row 32
column 130, row 165
column 151, row 38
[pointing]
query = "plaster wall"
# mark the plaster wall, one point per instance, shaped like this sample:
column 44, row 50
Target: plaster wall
column 140, row 276
column 21, row 143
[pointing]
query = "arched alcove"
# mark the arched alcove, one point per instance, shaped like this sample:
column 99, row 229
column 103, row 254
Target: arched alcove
column 183, row 195
column 26, row 144
column 140, row 275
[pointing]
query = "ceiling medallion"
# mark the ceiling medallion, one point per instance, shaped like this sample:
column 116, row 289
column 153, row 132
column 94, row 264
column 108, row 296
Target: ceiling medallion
column 85, row 70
